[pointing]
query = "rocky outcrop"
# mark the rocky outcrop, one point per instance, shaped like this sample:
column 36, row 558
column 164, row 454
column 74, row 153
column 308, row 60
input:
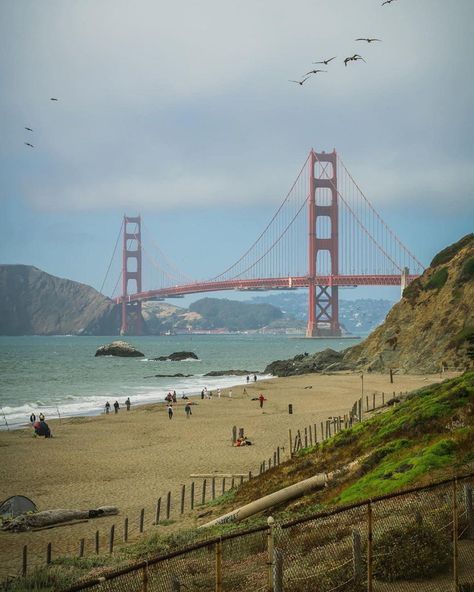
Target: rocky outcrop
column 433, row 325
column 177, row 357
column 327, row 360
column 119, row 348
column 33, row 302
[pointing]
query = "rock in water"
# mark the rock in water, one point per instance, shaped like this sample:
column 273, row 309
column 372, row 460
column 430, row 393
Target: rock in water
column 119, row 348
column 178, row 357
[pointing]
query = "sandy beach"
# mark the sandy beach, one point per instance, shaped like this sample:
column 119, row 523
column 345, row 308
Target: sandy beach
column 131, row 459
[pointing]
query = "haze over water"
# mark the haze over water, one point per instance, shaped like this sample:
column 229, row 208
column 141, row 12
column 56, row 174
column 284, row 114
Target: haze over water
column 61, row 373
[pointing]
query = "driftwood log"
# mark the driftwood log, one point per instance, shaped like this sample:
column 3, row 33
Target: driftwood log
column 52, row 517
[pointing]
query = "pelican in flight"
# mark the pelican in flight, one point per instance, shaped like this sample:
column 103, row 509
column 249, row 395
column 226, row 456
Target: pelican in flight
column 314, row 72
column 353, row 58
column 387, row 2
column 300, row 82
column 29, row 129
column 30, row 145
column 53, row 99
column 326, row 62
column 368, row 39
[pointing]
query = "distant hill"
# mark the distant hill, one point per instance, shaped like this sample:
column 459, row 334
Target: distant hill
column 33, row 302
column 209, row 314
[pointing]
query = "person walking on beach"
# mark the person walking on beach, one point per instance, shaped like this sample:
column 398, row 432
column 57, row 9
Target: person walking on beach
column 255, row 378
column 107, row 408
column 170, row 411
column 41, row 417
column 219, row 393
column 261, row 398
column 127, row 403
column 202, row 394
column 248, row 379
column 175, row 400
column 188, row 410
column 230, row 393
column 32, row 418
column 116, row 406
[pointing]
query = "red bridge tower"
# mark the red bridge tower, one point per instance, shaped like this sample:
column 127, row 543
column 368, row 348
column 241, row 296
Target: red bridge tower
column 132, row 321
column 323, row 314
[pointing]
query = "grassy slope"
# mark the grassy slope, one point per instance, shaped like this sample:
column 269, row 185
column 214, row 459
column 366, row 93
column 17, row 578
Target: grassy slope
column 428, row 436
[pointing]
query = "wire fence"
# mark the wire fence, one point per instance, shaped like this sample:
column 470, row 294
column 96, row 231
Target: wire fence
column 421, row 539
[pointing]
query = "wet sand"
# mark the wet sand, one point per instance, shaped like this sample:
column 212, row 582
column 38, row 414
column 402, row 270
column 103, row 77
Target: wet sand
column 131, row 459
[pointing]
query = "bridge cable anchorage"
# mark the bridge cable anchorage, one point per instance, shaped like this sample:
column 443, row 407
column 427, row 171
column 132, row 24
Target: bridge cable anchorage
column 381, row 220
column 267, row 226
column 112, row 258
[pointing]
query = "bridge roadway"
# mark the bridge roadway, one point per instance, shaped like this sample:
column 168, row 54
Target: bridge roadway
column 280, row 283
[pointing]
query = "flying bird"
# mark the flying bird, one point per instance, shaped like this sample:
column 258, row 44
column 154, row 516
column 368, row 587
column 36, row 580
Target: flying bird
column 29, row 129
column 368, row 39
column 314, row 72
column 300, row 82
column 353, row 58
column 28, row 144
column 325, row 62
column 387, row 2
column 53, row 99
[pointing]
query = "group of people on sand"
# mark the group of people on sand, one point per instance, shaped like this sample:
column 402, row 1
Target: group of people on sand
column 117, row 406
column 187, row 410
column 40, row 426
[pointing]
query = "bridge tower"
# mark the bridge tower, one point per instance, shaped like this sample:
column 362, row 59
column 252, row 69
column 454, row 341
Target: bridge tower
column 132, row 320
column 323, row 314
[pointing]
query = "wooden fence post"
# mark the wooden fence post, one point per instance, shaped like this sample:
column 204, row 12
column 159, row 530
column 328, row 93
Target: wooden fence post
column 232, row 483
column 250, row 475
column 97, row 542
column 213, row 488
column 142, row 519
column 310, row 437
column 81, row 547
column 218, row 552
column 278, row 454
column 369, row 549
column 111, row 539
column 469, row 510
column 223, row 481
column 322, row 431
column 291, row 443
column 203, row 496
column 48, row 553
column 125, row 530
column 306, row 437
column 357, row 556
column 373, row 401
column 270, row 553
column 168, row 505
column 145, row 578
column 192, row 495
column 383, row 399
column 24, row 566
column 455, row 536
column 234, row 434
column 158, row 510
column 183, row 497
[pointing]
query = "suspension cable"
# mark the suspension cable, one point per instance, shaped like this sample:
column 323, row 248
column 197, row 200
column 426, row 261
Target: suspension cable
column 111, row 259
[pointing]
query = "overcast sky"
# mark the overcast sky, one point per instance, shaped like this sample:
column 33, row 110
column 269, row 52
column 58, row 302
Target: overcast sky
column 182, row 111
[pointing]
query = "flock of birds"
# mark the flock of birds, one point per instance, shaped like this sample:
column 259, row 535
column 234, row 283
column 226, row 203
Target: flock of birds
column 29, row 129
column 354, row 58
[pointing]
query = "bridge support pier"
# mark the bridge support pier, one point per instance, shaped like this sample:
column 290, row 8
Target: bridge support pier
column 323, row 301
column 132, row 320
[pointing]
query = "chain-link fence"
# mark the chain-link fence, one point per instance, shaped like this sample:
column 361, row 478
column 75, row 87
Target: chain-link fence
column 418, row 540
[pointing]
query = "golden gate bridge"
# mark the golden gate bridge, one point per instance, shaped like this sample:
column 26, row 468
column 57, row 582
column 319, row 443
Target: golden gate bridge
column 324, row 236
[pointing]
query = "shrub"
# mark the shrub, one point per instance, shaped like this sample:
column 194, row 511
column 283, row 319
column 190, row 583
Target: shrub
column 437, row 280
column 449, row 252
column 410, row 552
column 467, row 271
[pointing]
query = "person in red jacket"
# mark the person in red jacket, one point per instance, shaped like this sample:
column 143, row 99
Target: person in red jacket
column 261, row 398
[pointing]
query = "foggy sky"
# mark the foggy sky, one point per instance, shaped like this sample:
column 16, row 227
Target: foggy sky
column 183, row 112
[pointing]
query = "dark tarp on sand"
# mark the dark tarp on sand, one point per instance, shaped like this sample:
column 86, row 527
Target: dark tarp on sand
column 16, row 505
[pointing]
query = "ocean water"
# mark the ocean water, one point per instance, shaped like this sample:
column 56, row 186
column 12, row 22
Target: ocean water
column 61, row 376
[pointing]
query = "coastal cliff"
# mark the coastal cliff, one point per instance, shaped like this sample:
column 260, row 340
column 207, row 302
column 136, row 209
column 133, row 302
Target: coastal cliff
column 431, row 328
column 33, row 302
